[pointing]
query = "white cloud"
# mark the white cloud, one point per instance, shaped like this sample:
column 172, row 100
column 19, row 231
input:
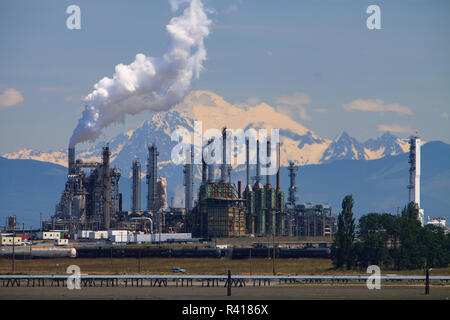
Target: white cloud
column 321, row 110
column 394, row 128
column 444, row 115
column 298, row 98
column 376, row 106
column 10, row 97
column 293, row 106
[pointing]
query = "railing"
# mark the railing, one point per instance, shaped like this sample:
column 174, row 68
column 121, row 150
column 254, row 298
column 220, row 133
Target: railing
column 55, row 280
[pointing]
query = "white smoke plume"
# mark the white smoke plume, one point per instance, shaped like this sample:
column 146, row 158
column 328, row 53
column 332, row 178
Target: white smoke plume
column 149, row 83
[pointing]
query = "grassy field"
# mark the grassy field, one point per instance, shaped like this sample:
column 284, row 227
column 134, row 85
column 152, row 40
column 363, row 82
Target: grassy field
column 192, row 266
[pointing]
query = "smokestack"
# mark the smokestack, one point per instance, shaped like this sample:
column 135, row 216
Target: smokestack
column 204, row 171
column 268, row 157
column 71, row 158
column 152, row 171
column 414, row 175
column 106, row 187
column 279, row 166
column 136, row 195
column 247, row 160
column 292, row 189
column 258, row 164
column 224, row 170
column 211, row 167
column 239, row 189
column 189, row 182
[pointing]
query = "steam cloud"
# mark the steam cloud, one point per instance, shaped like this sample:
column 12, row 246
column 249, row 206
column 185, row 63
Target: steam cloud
column 149, row 83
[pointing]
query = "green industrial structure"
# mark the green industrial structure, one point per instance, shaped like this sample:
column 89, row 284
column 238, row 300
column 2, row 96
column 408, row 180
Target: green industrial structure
column 223, row 211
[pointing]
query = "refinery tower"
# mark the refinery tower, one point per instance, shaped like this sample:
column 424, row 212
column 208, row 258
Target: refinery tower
column 414, row 174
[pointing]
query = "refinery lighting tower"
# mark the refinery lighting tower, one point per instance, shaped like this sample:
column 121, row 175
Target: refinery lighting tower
column 414, row 174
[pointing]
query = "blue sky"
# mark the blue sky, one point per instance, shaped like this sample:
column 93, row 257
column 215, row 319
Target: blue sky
column 317, row 54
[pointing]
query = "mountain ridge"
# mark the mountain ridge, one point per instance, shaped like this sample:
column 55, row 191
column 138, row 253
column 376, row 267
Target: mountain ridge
column 298, row 143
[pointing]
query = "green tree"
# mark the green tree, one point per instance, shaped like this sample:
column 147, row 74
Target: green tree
column 412, row 251
column 436, row 244
column 343, row 253
column 373, row 236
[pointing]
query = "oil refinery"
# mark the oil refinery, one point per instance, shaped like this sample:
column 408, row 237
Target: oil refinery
column 92, row 201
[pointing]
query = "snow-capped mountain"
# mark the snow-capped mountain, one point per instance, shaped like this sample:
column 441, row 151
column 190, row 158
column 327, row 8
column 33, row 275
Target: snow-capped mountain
column 297, row 142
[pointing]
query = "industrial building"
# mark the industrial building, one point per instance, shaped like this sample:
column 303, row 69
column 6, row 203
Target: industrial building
column 220, row 210
column 307, row 220
column 91, row 201
column 265, row 204
column 223, row 211
column 88, row 201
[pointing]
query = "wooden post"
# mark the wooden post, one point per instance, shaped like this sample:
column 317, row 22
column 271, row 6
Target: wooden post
column 229, row 283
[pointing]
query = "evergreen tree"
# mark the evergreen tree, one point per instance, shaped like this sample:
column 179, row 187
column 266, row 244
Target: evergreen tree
column 343, row 253
column 437, row 254
column 374, row 236
column 411, row 254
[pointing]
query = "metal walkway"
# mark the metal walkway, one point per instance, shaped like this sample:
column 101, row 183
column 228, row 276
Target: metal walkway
column 56, row 280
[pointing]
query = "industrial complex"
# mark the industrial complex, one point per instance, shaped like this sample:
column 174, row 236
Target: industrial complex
column 90, row 206
column 91, row 201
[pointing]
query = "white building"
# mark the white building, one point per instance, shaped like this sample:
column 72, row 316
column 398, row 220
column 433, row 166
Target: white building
column 98, row 235
column 49, row 235
column 7, row 240
column 440, row 222
column 159, row 237
column 120, row 236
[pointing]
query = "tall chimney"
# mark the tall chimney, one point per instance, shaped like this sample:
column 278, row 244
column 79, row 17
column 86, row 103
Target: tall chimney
column 292, row 188
column 224, row 170
column 71, row 158
column 106, row 187
column 189, row 181
column 211, row 167
column 279, row 166
column 258, row 164
column 204, row 171
column 152, row 173
column 247, row 160
column 239, row 189
column 136, row 195
column 414, row 175
column 268, row 157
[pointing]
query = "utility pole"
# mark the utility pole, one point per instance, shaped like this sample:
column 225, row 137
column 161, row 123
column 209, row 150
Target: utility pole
column 427, row 280
column 229, row 284
column 13, row 251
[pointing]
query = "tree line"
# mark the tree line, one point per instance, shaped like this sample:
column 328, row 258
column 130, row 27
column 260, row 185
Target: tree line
column 389, row 241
